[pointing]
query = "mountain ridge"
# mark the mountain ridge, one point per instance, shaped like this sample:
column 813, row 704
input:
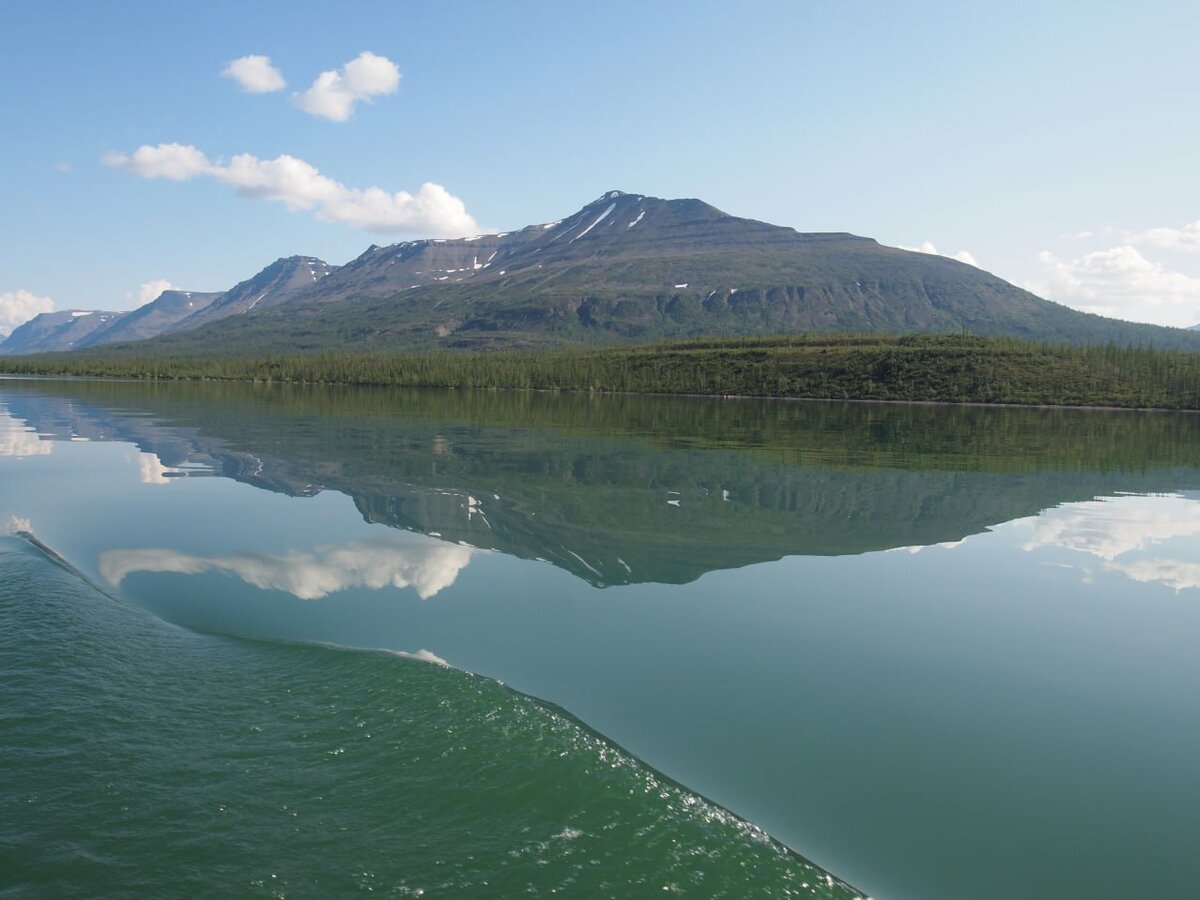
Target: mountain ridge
column 625, row 268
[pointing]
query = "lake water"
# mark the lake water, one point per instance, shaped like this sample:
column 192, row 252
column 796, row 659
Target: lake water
column 447, row 644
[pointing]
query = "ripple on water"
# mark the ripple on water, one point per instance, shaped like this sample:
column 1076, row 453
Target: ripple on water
column 143, row 760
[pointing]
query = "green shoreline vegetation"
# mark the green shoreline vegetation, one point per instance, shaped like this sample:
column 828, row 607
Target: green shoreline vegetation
column 930, row 368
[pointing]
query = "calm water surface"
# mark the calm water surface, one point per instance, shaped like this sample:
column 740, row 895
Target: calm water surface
column 941, row 653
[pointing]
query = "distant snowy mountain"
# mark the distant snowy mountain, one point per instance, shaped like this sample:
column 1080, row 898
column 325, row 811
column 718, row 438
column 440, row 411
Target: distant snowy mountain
column 277, row 284
column 154, row 318
column 172, row 310
column 64, row 330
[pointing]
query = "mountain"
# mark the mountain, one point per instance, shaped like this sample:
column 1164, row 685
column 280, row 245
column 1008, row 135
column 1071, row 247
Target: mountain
column 172, row 310
column 277, row 284
column 627, row 268
column 151, row 319
column 63, row 330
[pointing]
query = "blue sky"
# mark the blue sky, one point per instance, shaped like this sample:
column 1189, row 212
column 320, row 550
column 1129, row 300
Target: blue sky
column 1053, row 143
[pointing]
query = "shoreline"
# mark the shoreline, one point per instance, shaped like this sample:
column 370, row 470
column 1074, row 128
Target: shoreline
column 952, row 370
column 976, row 404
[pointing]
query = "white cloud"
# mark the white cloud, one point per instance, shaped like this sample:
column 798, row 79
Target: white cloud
column 18, row 307
column 334, row 94
column 255, row 74
column 62, row 167
column 1185, row 239
column 300, row 186
column 427, row 568
column 927, row 247
column 149, row 290
column 291, row 181
column 1122, row 283
column 174, row 162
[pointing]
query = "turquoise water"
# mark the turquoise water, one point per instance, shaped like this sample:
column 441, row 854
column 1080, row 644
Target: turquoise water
column 944, row 653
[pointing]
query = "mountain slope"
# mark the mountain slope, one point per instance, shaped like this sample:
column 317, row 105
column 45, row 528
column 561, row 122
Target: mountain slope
column 64, row 330
column 172, row 310
column 277, row 284
column 154, row 318
column 628, row 268
column 633, row 268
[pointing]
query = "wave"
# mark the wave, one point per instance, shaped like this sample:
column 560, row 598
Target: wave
column 150, row 760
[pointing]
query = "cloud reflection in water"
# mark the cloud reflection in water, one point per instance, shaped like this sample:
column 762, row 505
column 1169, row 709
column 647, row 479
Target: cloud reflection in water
column 1115, row 529
column 375, row 564
column 19, row 440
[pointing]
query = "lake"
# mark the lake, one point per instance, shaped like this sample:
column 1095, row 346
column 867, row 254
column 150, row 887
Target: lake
column 301, row 641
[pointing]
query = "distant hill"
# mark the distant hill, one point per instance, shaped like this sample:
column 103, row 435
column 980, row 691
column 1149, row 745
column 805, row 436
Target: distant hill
column 64, row 330
column 628, row 268
column 172, row 310
column 152, row 319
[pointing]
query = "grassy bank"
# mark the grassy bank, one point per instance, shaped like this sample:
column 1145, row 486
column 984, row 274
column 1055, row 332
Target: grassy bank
column 961, row 369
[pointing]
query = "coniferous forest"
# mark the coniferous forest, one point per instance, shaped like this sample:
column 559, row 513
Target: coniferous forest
column 935, row 368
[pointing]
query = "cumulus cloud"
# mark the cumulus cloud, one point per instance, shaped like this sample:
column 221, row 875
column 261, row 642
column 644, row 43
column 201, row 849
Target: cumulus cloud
column 334, row 94
column 298, row 185
column 1185, row 239
column 427, row 568
column 174, row 162
column 255, row 74
column 18, row 307
column 927, row 247
column 1122, row 283
column 149, row 290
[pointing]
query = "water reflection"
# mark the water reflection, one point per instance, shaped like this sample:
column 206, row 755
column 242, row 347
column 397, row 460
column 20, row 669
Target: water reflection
column 1010, row 675
column 19, row 440
column 1128, row 534
column 426, row 567
column 628, row 490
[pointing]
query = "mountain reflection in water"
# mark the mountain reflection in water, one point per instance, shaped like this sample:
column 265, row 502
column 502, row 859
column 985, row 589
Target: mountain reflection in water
column 999, row 707
column 630, row 489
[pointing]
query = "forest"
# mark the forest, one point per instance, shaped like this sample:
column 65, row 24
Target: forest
column 934, row 368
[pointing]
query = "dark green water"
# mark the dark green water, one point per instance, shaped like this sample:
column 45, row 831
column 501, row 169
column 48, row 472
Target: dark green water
column 944, row 653
column 144, row 760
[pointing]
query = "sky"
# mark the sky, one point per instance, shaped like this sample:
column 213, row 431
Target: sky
column 149, row 145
